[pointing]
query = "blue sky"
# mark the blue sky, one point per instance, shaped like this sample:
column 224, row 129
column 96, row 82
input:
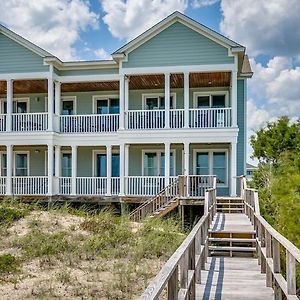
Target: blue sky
column 93, row 29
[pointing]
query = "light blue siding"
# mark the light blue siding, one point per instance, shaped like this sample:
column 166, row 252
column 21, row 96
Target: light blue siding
column 241, row 121
column 178, row 45
column 15, row 58
column 100, row 71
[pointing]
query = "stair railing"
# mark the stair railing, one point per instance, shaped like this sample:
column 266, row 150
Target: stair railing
column 182, row 271
column 272, row 249
column 164, row 197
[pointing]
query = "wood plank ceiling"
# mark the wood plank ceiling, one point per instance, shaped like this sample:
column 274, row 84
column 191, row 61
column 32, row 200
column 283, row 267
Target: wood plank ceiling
column 137, row 82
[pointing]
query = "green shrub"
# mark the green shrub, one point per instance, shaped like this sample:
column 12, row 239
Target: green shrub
column 8, row 264
column 9, row 215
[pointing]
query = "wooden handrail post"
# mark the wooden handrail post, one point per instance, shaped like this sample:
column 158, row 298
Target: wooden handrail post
column 173, row 285
column 290, row 273
column 276, row 268
column 268, row 255
column 184, row 270
column 192, row 267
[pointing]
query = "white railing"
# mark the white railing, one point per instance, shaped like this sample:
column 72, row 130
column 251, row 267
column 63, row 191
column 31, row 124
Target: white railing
column 144, row 185
column 91, row 185
column 115, row 185
column 198, row 184
column 145, row 119
column 30, row 185
column 2, row 122
column 89, row 123
column 30, row 122
column 2, row 185
column 176, row 118
column 65, row 185
column 210, row 117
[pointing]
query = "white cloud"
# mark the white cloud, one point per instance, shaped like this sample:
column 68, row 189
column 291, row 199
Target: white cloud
column 265, row 27
column 102, row 54
column 127, row 19
column 54, row 25
column 202, row 3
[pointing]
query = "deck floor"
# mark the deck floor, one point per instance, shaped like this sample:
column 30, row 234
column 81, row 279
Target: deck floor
column 232, row 277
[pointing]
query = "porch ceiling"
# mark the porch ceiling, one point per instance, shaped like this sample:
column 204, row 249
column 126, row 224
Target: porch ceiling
column 157, row 81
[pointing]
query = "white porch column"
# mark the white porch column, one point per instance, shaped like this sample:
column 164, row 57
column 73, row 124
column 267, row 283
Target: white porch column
column 50, row 169
column 122, row 169
column 57, row 97
column 50, row 104
column 9, row 103
column 234, row 98
column 74, row 169
column 167, row 100
column 167, row 163
column 57, row 161
column 186, row 92
column 127, row 160
column 108, row 168
column 186, row 173
column 233, row 160
column 122, row 102
column 126, row 99
column 9, row 169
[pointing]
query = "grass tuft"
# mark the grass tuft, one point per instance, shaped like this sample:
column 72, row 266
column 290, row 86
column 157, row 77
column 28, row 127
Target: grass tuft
column 8, row 264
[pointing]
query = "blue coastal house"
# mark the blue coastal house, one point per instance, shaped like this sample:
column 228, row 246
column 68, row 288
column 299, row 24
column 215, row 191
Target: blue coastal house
column 170, row 102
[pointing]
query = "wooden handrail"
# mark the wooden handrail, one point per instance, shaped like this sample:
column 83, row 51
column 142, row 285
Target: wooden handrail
column 269, row 242
column 182, row 271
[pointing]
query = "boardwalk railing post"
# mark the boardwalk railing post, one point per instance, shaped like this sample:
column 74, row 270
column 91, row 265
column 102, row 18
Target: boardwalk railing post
column 198, row 255
column 173, row 285
column 290, row 273
column 192, row 293
column 276, row 269
column 268, row 255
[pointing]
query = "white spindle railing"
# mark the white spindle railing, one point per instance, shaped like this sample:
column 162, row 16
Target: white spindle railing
column 89, row 123
column 210, row 117
column 30, row 185
column 30, row 121
column 115, row 185
column 198, row 184
column 144, row 185
column 176, row 118
column 91, row 185
column 65, row 185
column 2, row 122
column 2, row 185
column 145, row 119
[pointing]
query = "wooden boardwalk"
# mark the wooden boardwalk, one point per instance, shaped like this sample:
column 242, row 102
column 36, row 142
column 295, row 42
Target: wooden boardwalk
column 233, row 277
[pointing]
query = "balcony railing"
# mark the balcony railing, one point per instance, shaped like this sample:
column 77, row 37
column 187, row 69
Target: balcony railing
column 65, row 185
column 2, row 185
column 91, row 185
column 30, row 185
column 2, row 122
column 30, row 121
column 89, row 123
column 143, row 185
column 210, row 117
column 115, row 185
column 145, row 119
column 198, row 184
column 176, row 118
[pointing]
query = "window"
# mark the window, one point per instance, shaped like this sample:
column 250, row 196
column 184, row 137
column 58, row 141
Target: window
column 115, row 169
column 212, row 162
column 107, row 106
column 20, row 106
column 216, row 99
column 67, row 107
column 101, row 162
column 157, row 101
column 21, row 164
column 154, row 163
column 3, row 163
column 66, row 164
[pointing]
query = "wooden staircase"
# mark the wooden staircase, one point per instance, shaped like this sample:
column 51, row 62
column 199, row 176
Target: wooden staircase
column 225, row 237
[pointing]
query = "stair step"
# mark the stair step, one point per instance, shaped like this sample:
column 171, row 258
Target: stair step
column 242, row 240
column 228, row 248
column 230, row 209
column 231, row 204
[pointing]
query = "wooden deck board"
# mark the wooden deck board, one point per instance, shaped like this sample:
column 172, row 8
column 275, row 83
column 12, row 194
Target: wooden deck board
column 232, row 278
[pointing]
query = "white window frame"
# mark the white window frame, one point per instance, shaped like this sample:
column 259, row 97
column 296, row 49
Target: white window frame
column 157, row 95
column 22, row 99
column 61, row 161
column 1, row 162
column 158, row 153
column 210, row 94
column 210, row 162
column 28, row 162
column 94, row 153
column 104, row 97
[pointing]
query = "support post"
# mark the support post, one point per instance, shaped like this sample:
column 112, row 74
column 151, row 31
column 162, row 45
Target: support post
column 127, row 146
column 57, row 167
column 167, row 100
column 108, row 168
column 186, row 87
column 50, row 104
column 57, row 102
column 290, row 273
column 122, row 102
column 50, row 169
column 122, row 169
column 233, row 169
column 9, row 169
column 126, row 100
column 74, row 169
column 167, row 163
column 9, row 103
column 186, row 171
column 234, row 98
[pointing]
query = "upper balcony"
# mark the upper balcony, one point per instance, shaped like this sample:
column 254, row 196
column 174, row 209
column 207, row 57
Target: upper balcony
column 195, row 101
